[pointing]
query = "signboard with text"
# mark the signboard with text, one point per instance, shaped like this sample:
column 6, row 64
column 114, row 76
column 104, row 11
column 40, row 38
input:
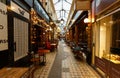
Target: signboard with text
column 3, row 27
column 82, row 4
column 19, row 10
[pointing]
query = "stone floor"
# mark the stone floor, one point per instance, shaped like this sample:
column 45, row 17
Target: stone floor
column 62, row 64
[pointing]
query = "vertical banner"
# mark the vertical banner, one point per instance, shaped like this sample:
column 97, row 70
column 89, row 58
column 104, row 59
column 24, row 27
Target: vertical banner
column 3, row 27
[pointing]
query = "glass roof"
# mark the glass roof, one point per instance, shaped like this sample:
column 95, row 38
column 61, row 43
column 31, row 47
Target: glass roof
column 62, row 8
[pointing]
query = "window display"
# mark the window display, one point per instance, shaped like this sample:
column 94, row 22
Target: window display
column 113, row 58
column 109, row 38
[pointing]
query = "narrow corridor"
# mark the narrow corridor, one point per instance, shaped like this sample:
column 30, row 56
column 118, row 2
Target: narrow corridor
column 62, row 64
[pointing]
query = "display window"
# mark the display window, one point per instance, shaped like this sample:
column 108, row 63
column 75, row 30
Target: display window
column 108, row 37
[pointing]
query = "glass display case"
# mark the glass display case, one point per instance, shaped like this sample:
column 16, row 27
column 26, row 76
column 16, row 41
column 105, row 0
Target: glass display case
column 113, row 58
column 108, row 36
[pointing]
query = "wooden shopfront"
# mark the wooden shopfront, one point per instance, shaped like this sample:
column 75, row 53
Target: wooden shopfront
column 106, row 37
column 18, row 33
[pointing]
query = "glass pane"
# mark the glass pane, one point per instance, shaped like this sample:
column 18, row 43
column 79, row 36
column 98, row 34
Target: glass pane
column 103, row 36
column 116, row 30
column 62, row 8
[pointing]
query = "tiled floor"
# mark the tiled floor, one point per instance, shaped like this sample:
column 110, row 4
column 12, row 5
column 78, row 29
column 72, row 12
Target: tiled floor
column 42, row 71
column 70, row 67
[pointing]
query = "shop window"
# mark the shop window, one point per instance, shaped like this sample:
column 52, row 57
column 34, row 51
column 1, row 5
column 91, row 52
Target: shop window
column 3, row 1
column 116, row 30
column 108, row 38
column 104, row 36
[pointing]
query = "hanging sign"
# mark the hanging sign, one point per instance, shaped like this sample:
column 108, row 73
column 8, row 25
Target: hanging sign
column 3, row 27
column 82, row 4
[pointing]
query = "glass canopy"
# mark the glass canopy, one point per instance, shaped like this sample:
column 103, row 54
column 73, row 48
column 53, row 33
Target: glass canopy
column 62, row 8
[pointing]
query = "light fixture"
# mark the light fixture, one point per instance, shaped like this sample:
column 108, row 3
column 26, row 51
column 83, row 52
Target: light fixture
column 51, row 23
column 62, row 21
column 86, row 20
column 11, row 7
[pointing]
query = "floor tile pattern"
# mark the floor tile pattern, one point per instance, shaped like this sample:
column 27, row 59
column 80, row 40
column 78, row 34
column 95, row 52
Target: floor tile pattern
column 43, row 71
column 71, row 67
column 77, row 68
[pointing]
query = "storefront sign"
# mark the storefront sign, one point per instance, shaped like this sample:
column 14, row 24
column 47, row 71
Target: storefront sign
column 3, row 27
column 19, row 10
column 82, row 4
column 103, row 4
column 22, row 12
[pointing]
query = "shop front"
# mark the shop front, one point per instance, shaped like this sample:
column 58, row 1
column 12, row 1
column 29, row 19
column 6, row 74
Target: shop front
column 18, row 33
column 40, row 27
column 106, row 36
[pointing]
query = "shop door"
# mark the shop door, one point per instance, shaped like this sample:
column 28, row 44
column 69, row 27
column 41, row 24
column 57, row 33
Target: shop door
column 20, row 39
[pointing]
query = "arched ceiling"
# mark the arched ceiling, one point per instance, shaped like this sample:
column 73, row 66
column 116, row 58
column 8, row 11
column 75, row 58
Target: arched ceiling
column 62, row 8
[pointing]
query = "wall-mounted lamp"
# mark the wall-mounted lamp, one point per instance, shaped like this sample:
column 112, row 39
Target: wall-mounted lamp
column 87, row 20
column 11, row 7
